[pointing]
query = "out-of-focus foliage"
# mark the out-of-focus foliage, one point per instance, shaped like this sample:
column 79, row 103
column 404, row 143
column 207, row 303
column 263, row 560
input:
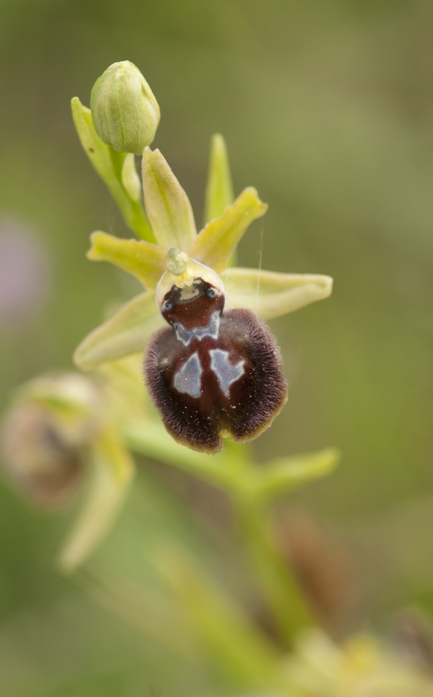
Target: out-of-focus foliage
column 327, row 108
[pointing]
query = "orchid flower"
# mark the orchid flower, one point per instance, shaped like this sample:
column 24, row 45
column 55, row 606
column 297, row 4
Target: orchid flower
column 198, row 404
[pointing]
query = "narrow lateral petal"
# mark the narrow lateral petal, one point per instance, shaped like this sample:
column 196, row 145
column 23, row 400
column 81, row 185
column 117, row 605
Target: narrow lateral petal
column 142, row 259
column 270, row 294
column 127, row 332
column 130, row 179
column 219, row 189
column 216, row 242
column 167, row 204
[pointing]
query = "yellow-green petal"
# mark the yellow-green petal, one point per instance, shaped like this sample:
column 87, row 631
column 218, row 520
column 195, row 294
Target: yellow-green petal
column 167, row 204
column 127, row 332
column 219, row 189
column 113, row 469
column 271, row 294
column 215, row 243
column 109, row 164
column 142, row 259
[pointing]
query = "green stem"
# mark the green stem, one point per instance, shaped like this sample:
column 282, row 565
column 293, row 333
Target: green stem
column 233, row 472
column 279, row 586
column 138, row 222
column 133, row 211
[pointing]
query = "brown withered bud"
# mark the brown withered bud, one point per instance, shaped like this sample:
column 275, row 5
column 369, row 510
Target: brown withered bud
column 37, row 458
column 212, row 373
column 325, row 567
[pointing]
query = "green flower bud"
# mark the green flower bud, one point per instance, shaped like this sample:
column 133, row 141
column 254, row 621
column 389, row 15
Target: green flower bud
column 124, row 110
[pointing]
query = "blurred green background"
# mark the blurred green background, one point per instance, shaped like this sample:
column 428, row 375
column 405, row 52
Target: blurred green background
column 327, row 108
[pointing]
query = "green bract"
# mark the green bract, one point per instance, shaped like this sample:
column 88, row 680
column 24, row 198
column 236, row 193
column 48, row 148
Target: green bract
column 124, row 109
column 115, row 168
column 62, row 429
column 169, row 211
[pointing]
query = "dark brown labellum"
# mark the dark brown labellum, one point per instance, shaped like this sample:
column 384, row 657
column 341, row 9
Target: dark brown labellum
column 212, row 373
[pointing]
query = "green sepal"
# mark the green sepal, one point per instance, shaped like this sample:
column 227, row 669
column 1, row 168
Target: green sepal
column 255, row 482
column 271, row 294
column 126, row 333
column 112, row 471
column 279, row 476
column 216, row 242
column 109, row 165
column 167, row 205
column 219, row 189
column 139, row 258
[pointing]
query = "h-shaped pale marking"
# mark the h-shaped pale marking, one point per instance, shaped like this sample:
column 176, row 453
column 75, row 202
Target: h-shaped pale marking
column 226, row 372
column 187, row 335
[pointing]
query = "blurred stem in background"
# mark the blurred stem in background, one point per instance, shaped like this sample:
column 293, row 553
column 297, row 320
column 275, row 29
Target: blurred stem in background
column 249, row 488
column 279, row 587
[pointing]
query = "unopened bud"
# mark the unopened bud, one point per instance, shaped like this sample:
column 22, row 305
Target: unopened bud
column 124, row 110
column 44, row 438
column 45, row 468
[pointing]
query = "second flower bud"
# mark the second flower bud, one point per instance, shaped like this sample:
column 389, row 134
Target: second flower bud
column 124, row 110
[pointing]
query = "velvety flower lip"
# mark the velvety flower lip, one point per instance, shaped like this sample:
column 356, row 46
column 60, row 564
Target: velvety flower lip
column 266, row 293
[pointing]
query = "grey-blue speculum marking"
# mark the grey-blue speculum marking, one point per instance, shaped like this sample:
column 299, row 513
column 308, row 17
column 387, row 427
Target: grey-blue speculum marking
column 212, row 373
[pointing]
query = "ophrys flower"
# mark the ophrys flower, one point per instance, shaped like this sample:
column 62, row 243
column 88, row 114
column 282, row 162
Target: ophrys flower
column 215, row 372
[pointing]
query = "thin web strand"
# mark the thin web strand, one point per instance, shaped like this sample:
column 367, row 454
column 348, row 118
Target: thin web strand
column 260, row 255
